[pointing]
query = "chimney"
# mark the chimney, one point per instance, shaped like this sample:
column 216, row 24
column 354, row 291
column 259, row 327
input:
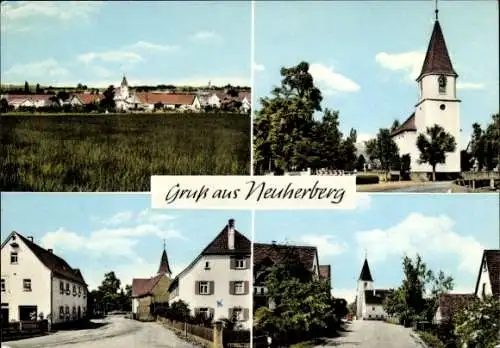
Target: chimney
column 230, row 234
column 50, row 250
column 30, row 238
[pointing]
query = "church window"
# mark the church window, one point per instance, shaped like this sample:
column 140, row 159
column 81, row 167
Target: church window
column 442, row 84
column 373, row 308
column 442, row 107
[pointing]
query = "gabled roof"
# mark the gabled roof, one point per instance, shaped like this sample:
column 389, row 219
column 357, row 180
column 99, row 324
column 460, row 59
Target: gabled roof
column 142, row 287
column 325, row 272
column 12, row 97
column 376, row 297
column 365, row 274
column 492, row 259
column 166, row 98
column 164, row 266
column 407, row 126
column 87, row 98
column 56, row 264
column 279, row 252
column 437, row 60
column 449, row 304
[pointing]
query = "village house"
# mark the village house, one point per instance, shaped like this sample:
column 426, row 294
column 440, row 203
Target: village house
column 217, row 282
column 151, row 290
column 168, row 101
column 267, row 255
column 81, row 99
column 29, row 100
column 449, row 304
column 438, row 104
column 36, row 283
column 369, row 301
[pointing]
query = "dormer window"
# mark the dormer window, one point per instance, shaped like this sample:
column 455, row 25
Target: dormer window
column 207, row 265
column 442, row 84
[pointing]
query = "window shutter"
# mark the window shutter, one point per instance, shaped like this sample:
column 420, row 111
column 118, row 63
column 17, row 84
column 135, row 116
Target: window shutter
column 196, row 288
column 212, row 312
column 230, row 314
column 232, row 263
column 246, row 287
column 196, row 311
column 212, row 287
column 246, row 314
column 247, row 263
column 231, row 288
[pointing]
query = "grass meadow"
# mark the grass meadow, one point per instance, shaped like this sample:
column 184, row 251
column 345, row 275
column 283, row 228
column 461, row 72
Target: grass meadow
column 118, row 152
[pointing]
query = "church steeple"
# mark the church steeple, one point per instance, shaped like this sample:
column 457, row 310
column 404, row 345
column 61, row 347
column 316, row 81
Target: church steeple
column 164, row 266
column 437, row 60
column 365, row 274
column 124, row 81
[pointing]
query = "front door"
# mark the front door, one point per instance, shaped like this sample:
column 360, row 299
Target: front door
column 27, row 313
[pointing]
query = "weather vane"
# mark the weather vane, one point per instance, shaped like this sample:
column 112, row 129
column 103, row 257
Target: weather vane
column 437, row 11
column 164, row 243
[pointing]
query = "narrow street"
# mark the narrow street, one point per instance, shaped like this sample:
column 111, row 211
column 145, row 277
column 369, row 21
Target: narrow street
column 116, row 332
column 373, row 334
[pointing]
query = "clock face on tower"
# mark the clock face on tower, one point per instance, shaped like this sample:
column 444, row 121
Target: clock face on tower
column 442, row 81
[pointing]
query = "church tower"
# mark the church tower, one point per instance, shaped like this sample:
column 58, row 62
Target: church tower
column 438, row 102
column 365, row 282
column 164, row 266
column 124, row 88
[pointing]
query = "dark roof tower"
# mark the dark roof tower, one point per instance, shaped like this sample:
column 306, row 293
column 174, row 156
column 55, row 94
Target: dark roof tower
column 437, row 60
column 164, row 266
column 365, row 274
column 124, row 81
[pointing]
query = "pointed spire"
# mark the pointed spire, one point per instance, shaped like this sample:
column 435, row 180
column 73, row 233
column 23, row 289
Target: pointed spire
column 437, row 60
column 164, row 266
column 124, row 81
column 365, row 274
column 437, row 11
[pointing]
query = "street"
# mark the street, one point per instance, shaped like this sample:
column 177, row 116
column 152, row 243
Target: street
column 427, row 187
column 373, row 334
column 116, row 332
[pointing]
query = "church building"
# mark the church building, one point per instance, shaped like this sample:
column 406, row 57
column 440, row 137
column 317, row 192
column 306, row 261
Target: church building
column 369, row 301
column 438, row 104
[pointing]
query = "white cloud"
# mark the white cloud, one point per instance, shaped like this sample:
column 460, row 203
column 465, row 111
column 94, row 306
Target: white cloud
column 363, row 201
column 119, row 218
column 331, row 81
column 258, row 67
column 149, row 46
column 111, row 56
column 324, row 244
column 347, row 294
column 469, row 85
column 44, row 68
column 426, row 235
column 205, row 36
column 364, row 137
column 409, row 62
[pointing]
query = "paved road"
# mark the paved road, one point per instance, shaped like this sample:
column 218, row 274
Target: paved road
column 373, row 334
column 427, row 187
column 118, row 332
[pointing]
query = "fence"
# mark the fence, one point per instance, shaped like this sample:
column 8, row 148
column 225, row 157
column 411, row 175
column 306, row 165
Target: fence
column 23, row 329
column 204, row 333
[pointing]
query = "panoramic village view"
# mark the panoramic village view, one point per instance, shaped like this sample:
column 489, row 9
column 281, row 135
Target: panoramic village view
column 449, row 141
column 137, row 103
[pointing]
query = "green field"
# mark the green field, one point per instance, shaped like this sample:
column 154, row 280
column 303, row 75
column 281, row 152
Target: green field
column 118, row 152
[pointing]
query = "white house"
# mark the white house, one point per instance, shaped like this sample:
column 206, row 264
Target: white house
column 37, row 282
column 217, row 282
column 369, row 301
column 29, row 100
column 438, row 104
column 488, row 279
column 170, row 101
column 246, row 102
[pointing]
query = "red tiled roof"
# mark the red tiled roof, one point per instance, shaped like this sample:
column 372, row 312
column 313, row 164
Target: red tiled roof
column 407, row 126
column 165, row 98
column 279, row 252
column 45, row 97
column 449, row 304
column 325, row 272
column 57, row 265
column 87, row 98
column 492, row 259
column 437, row 60
column 142, row 287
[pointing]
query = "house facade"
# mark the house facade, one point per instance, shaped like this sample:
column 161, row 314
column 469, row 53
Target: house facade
column 149, row 101
column 438, row 104
column 450, row 304
column 488, row 278
column 217, row 282
column 29, row 100
column 369, row 301
column 36, row 283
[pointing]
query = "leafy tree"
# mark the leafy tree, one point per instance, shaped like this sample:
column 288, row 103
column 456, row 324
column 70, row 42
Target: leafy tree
column 108, row 100
column 38, row 90
column 4, row 105
column 349, row 151
column 433, row 148
column 360, row 163
column 26, row 87
column 384, row 149
column 158, row 106
column 395, row 125
column 485, row 144
column 405, row 166
column 478, row 325
column 465, row 161
column 62, row 95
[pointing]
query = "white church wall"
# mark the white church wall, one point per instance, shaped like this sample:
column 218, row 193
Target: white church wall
column 374, row 312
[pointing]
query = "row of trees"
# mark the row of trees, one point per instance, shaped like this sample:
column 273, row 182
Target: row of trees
column 110, row 296
column 303, row 307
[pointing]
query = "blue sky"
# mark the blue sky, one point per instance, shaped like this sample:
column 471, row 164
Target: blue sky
column 449, row 231
column 102, row 232
column 157, row 42
column 368, row 52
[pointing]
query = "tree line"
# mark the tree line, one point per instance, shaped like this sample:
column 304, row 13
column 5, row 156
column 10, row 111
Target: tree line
column 110, row 296
column 287, row 137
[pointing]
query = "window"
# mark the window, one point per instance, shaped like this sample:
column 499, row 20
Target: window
column 3, row 285
column 373, row 308
column 369, row 315
column 74, row 290
column 203, row 311
column 483, row 293
column 442, row 84
column 84, row 293
column 61, row 287
column 207, row 265
column 366, row 284
column 26, row 284
column 237, row 314
column 79, row 291
column 239, row 263
column 61, row 312
column 262, row 291
column 13, row 257
column 74, row 312
column 66, row 312
column 67, row 289
column 442, row 107
column 203, row 288
column 239, row 288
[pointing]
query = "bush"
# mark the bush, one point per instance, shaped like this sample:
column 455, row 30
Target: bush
column 367, row 179
column 431, row 340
